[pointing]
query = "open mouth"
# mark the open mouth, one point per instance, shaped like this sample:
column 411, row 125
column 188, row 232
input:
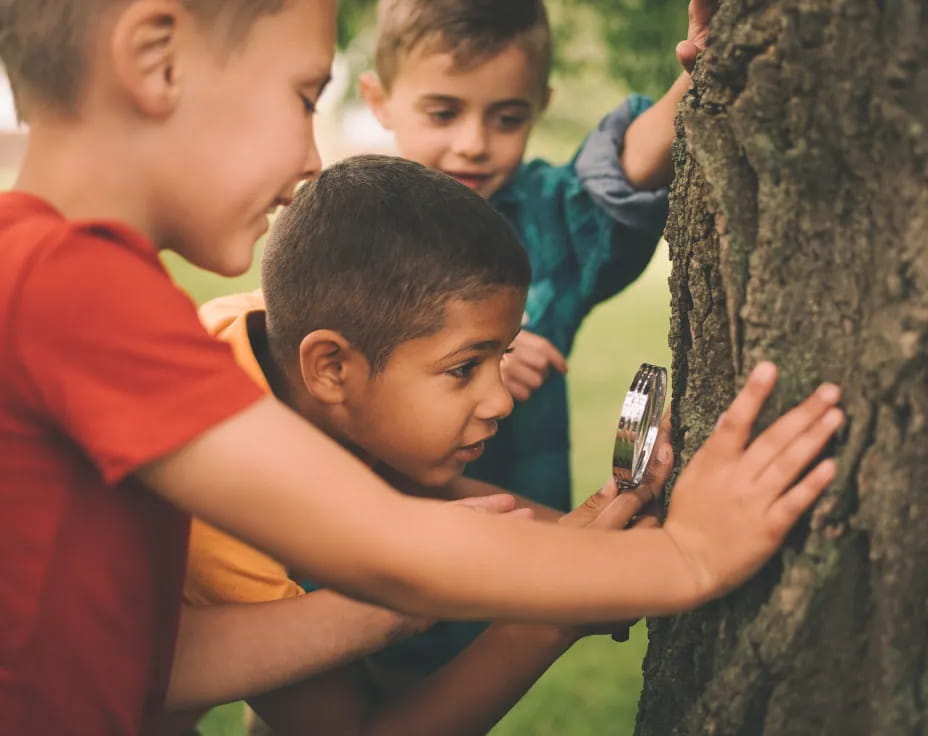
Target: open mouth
column 470, row 180
column 469, row 453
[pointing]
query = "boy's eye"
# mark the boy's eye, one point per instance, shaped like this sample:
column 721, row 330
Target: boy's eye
column 511, row 122
column 463, row 371
column 309, row 107
column 444, row 115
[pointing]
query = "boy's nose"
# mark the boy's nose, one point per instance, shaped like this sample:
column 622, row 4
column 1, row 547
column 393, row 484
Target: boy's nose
column 313, row 163
column 497, row 403
column 471, row 140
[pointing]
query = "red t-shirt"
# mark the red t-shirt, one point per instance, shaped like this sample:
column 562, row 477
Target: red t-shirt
column 103, row 367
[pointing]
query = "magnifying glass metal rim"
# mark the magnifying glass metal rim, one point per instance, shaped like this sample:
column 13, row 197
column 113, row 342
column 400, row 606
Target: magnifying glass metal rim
column 639, row 424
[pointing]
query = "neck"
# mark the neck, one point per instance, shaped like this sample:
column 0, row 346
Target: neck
column 84, row 172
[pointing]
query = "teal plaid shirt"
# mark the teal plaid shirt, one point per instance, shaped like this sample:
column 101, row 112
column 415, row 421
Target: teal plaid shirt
column 588, row 234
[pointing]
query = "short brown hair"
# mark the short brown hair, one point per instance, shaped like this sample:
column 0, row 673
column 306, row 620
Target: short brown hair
column 374, row 249
column 43, row 43
column 472, row 31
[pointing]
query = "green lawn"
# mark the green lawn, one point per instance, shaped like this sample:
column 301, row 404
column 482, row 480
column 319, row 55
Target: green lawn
column 593, row 689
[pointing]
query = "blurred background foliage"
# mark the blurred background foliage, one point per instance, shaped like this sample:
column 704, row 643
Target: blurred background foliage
column 638, row 37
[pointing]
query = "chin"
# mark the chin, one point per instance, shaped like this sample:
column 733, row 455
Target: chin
column 438, row 478
column 233, row 261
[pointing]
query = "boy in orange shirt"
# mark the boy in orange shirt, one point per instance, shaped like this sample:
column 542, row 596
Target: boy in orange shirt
column 119, row 415
column 392, row 293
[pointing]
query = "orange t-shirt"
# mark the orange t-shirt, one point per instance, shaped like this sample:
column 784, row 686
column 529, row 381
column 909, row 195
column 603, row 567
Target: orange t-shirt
column 221, row 568
column 104, row 367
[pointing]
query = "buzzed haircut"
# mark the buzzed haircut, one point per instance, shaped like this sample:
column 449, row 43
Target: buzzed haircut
column 44, row 43
column 472, row 31
column 374, row 249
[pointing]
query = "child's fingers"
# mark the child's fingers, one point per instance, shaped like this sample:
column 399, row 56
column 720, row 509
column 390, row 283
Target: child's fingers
column 520, row 513
column 592, row 506
column 733, row 429
column 788, row 464
column 554, row 356
column 779, row 435
column 497, row 503
column 516, row 389
column 648, row 521
column 540, row 352
column 620, row 511
column 790, row 506
column 521, row 372
column 519, row 391
column 658, row 470
column 532, row 357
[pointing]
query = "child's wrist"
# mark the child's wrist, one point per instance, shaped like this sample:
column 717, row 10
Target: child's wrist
column 691, row 584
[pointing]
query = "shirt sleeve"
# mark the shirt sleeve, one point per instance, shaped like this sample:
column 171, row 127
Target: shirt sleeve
column 636, row 217
column 112, row 353
column 599, row 167
column 223, row 569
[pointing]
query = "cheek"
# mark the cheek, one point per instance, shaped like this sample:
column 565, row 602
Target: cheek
column 423, row 144
column 511, row 150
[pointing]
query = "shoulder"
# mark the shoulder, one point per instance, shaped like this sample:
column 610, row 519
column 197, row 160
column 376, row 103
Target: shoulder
column 218, row 314
column 223, row 569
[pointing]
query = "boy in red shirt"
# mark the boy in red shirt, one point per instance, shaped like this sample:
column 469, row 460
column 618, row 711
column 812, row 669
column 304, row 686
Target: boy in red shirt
column 170, row 124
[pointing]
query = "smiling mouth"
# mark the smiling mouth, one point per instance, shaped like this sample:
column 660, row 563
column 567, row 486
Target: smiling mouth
column 470, row 180
column 469, row 453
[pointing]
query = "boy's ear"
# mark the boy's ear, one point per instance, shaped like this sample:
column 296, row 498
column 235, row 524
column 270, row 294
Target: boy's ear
column 327, row 363
column 374, row 94
column 144, row 51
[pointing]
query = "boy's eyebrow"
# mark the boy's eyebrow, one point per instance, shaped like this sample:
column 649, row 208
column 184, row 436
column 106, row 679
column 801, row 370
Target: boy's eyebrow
column 473, row 347
column 514, row 102
column 446, row 99
column 451, row 100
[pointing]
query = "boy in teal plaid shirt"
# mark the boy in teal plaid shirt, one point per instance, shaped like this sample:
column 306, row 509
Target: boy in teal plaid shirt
column 461, row 84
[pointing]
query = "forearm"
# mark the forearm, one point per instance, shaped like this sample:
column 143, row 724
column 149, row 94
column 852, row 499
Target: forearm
column 474, row 691
column 646, row 151
column 323, row 512
column 274, row 644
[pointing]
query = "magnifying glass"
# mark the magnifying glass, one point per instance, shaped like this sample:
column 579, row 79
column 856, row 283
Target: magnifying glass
column 636, row 435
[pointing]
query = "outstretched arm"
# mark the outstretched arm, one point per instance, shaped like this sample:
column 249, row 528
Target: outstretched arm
column 301, row 498
column 646, row 153
column 274, row 643
column 322, row 511
column 464, row 698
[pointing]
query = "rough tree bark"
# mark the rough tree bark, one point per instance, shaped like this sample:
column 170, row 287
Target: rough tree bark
column 799, row 232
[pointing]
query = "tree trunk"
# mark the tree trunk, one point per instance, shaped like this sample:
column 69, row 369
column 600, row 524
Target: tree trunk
column 799, row 233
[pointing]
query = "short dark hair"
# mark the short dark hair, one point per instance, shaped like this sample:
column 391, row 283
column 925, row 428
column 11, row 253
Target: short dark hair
column 44, row 43
column 374, row 249
column 472, row 31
